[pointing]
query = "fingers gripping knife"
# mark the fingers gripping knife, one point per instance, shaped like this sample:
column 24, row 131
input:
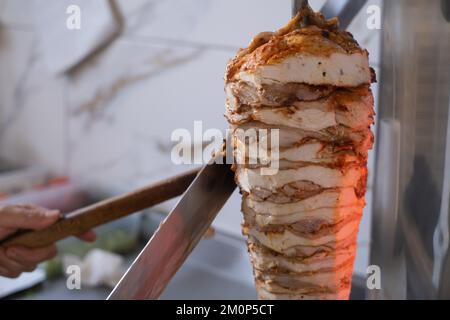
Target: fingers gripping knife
column 85, row 219
column 173, row 241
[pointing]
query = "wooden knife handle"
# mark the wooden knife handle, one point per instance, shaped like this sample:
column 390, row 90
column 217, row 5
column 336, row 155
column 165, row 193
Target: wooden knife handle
column 83, row 220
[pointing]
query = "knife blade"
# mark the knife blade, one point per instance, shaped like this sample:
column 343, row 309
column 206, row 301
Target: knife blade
column 177, row 235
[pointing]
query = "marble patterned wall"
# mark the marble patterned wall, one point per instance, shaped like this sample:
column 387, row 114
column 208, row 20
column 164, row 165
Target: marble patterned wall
column 108, row 123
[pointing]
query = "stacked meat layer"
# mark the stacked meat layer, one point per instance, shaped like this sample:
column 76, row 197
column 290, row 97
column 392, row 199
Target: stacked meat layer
column 311, row 82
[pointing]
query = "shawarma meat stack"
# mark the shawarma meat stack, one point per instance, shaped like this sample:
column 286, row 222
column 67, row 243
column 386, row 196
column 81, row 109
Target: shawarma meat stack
column 311, row 81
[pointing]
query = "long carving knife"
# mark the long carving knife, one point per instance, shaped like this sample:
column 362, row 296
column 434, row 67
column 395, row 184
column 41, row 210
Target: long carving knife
column 178, row 234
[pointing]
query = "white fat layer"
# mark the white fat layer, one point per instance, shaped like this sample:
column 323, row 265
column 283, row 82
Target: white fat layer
column 321, row 176
column 341, row 294
column 329, row 215
column 330, row 262
column 330, row 280
column 283, row 242
column 342, row 70
column 309, row 152
column 333, row 199
column 313, row 115
column 313, row 152
column 232, row 101
column 307, row 119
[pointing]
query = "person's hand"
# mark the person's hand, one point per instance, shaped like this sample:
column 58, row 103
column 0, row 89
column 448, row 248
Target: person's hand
column 17, row 259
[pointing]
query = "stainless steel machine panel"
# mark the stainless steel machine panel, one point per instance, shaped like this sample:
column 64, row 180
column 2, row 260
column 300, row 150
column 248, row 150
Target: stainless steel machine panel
column 410, row 238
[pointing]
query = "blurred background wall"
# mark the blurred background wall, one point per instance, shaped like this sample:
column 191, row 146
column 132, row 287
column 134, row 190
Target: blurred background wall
column 108, row 122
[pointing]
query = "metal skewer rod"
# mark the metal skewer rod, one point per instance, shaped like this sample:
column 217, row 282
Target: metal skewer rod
column 345, row 10
column 297, row 5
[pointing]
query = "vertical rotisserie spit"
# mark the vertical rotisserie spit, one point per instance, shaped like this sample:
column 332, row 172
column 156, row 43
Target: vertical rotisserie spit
column 311, row 81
